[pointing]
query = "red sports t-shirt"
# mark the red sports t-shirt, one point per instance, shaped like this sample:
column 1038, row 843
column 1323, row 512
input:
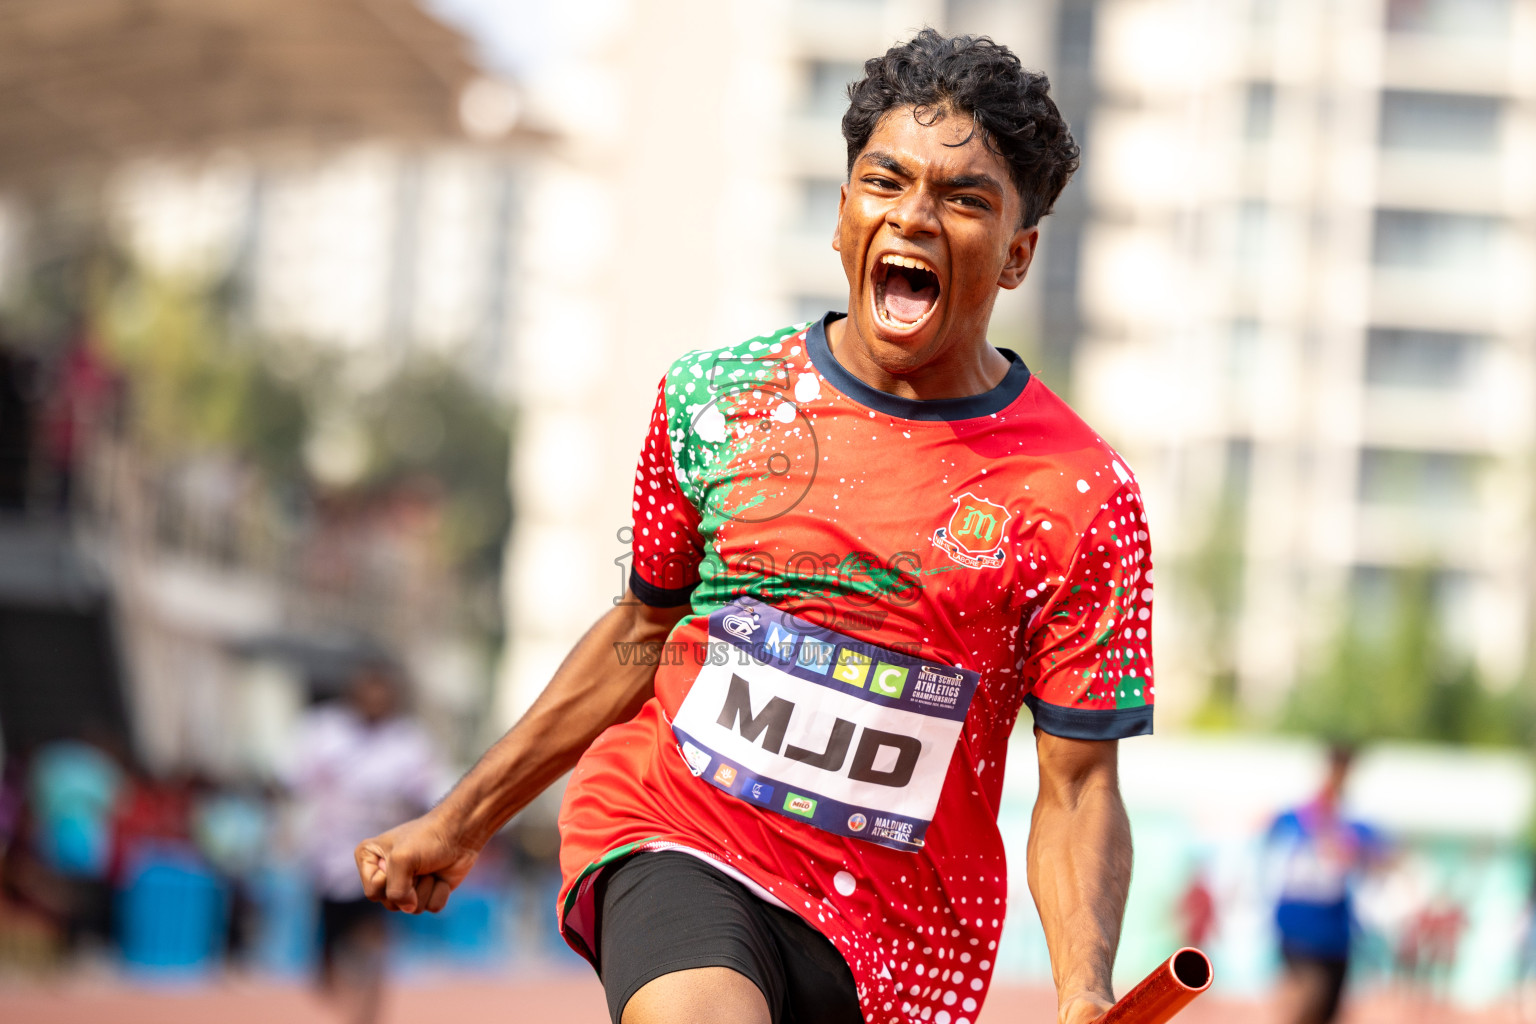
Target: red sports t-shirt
column 877, row 585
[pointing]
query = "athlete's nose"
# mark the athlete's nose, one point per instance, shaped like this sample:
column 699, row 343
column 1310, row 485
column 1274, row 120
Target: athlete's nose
column 914, row 214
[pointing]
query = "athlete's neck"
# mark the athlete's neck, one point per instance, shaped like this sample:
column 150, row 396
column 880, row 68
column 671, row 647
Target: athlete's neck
column 959, row 371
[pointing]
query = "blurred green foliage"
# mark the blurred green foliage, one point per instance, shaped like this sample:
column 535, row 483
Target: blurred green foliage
column 427, row 422
column 193, row 389
column 1389, row 673
column 1215, row 573
column 1399, row 679
column 200, row 383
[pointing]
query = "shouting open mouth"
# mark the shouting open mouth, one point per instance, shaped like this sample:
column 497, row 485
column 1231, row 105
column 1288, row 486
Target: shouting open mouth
column 906, row 291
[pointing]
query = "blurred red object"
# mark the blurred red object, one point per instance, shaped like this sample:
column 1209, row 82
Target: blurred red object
column 1164, row 992
column 1197, row 909
column 149, row 813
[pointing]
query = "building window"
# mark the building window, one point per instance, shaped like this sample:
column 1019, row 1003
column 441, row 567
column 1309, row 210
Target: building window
column 1243, row 350
column 826, row 87
column 1259, row 111
column 818, row 203
column 1074, row 35
column 1448, row 17
column 1418, row 479
column 1440, row 121
column 1252, row 231
column 1388, row 599
column 1237, row 471
column 1423, row 239
column 1439, row 360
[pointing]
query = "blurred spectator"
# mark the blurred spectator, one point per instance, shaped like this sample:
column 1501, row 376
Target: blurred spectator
column 1322, row 856
column 1525, row 982
column 151, row 814
column 13, row 790
column 1197, row 910
column 31, row 902
column 1427, row 950
column 359, row 767
column 73, row 788
column 83, row 392
column 231, row 829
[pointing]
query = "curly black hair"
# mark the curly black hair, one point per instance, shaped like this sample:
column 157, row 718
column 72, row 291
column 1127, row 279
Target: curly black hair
column 972, row 76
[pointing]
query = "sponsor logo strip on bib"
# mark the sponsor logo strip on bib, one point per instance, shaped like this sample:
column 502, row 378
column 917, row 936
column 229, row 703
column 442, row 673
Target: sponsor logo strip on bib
column 818, row 727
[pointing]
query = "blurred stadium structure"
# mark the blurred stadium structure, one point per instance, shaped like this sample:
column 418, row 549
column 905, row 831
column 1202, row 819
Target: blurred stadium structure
column 293, row 188
column 92, row 84
column 256, row 275
column 1293, row 283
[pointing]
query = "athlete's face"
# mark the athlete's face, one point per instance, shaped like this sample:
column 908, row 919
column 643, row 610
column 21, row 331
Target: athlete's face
column 929, row 228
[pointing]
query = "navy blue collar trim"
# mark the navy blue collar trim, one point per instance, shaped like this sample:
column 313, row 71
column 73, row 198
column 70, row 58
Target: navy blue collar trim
column 972, row 406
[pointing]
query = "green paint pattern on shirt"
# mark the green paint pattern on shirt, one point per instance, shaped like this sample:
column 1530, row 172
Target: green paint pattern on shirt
column 721, row 407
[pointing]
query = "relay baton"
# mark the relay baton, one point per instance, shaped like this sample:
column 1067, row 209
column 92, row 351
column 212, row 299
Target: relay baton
column 1164, row 992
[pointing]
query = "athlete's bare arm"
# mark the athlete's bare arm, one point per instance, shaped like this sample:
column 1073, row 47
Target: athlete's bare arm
column 415, row 866
column 1080, row 869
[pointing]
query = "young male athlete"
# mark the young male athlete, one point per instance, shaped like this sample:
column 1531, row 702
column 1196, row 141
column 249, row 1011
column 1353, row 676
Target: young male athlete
column 869, row 541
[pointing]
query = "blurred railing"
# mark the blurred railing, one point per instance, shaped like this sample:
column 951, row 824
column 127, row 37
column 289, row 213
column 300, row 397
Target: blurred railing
column 354, row 565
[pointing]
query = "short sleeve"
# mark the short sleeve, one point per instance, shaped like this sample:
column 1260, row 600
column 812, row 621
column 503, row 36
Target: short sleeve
column 667, row 544
column 1088, row 660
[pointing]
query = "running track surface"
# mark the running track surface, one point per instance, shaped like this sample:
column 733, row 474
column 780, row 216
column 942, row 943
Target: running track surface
column 562, row 997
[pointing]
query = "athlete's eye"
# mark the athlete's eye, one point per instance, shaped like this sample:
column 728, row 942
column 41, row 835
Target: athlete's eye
column 974, row 202
column 883, row 183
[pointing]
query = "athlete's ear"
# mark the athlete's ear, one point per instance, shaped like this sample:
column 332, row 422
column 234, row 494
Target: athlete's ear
column 1021, row 250
column 837, row 229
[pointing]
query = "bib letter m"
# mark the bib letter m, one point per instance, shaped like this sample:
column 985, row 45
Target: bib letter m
column 773, row 719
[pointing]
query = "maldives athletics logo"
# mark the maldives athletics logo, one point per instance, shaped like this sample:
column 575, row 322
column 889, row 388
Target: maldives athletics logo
column 974, row 536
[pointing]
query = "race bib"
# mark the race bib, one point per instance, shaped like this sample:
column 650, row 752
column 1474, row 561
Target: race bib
column 814, row 725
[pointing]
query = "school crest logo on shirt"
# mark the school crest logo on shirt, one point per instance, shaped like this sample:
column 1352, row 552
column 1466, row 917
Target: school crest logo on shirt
column 974, row 535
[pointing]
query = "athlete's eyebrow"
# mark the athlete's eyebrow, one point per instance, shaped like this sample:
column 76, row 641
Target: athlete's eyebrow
column 981, row 181
column 887, row 162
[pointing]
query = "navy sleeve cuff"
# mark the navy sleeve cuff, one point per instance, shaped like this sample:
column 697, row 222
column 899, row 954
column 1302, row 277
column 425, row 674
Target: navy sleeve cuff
column 1090, row 723
column 659, row 597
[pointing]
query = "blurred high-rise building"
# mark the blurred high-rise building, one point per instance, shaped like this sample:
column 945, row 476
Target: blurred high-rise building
column 199, row 203
column 1309, row 318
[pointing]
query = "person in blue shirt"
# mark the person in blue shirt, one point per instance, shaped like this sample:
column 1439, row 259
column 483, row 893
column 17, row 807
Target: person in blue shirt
column 73, row 788
column 1321, row 856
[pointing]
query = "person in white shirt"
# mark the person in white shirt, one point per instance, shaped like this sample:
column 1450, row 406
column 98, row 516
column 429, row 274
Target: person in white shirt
column 358, row 766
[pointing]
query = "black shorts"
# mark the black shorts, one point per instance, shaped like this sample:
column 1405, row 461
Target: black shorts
column 342, row 921
column 666, row 912
column 1330, row 972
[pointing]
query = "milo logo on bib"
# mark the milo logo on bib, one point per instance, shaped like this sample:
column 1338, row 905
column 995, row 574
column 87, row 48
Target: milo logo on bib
column 814, row 725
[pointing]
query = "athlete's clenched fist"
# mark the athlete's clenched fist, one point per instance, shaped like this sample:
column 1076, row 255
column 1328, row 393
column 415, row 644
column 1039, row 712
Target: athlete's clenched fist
column 415, row 866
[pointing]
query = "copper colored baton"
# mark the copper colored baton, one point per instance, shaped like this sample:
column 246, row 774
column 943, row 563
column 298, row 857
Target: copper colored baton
column 1164, row 992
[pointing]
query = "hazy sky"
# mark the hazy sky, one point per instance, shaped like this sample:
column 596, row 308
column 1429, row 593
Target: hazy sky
column 513, row 36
